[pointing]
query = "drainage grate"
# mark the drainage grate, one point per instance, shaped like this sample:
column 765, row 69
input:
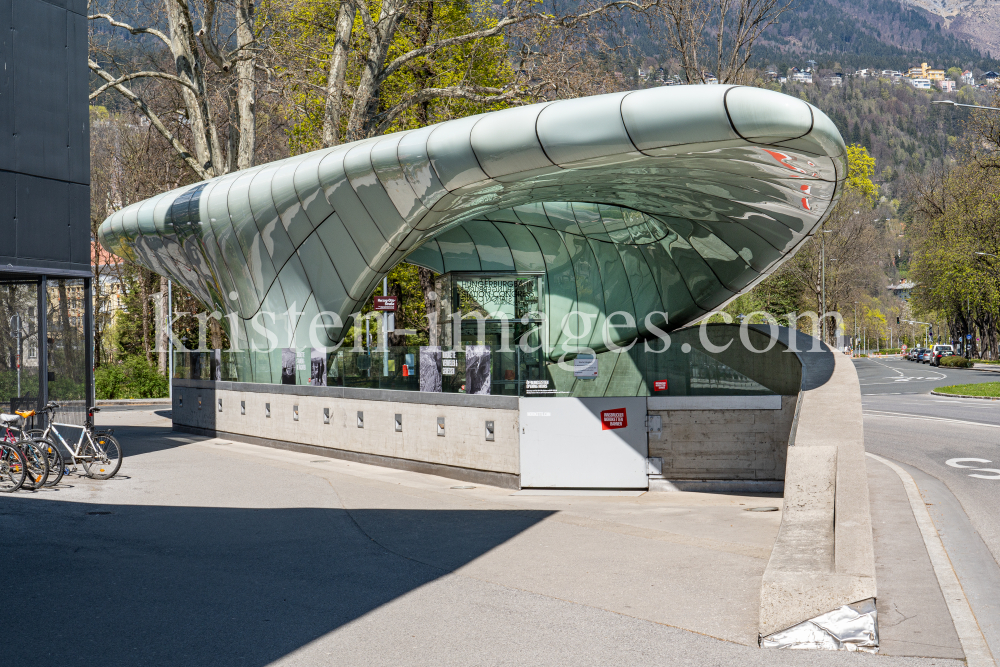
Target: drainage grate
column 761, row 509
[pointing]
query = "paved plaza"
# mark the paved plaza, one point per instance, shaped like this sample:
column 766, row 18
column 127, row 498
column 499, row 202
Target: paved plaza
column 208, row 552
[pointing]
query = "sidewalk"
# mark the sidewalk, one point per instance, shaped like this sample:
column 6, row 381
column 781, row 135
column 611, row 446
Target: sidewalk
column 291, row 559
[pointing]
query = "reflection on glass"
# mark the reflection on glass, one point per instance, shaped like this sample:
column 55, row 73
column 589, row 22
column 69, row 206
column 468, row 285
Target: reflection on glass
column 19, row 356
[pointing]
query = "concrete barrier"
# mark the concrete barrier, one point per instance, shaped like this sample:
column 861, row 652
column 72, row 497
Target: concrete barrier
column 439, row 434
column 823, row 558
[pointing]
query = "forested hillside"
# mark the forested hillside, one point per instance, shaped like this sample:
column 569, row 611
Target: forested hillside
column 898, row 125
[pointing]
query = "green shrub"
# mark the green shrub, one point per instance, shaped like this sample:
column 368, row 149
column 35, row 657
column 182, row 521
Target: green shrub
column 956, row 362
column 133, row 377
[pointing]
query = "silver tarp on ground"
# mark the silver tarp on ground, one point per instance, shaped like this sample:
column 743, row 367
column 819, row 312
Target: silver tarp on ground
column 853, row 627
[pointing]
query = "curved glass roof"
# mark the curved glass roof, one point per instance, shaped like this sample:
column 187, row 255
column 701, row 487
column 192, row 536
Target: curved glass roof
column 670, row 200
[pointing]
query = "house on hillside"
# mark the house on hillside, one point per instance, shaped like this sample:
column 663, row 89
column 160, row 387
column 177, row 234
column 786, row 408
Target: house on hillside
column 946, row 86
column 922, row 84
column 925, row 72
column 802, row 77
column 968, row 79
column 835, row 80
column 990, row 78
column 902, row 289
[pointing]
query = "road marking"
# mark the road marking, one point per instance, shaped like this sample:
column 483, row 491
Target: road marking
column 977, row 653
column 881, row 413
column 957, row 463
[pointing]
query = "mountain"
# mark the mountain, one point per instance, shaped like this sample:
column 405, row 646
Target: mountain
column 978, row 21
column 885, row 34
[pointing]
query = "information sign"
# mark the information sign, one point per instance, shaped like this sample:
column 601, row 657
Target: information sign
column 585, row 367
column 612, row 419
column 659, row 385
column 385, row 303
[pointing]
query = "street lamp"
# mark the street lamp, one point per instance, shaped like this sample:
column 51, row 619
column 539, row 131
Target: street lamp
column 823, row 280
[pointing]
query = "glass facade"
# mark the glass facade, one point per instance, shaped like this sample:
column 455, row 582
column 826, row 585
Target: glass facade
column 651, row 207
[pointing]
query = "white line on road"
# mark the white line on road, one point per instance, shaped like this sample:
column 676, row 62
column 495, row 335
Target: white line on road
column 881, row 413
column 974, row 645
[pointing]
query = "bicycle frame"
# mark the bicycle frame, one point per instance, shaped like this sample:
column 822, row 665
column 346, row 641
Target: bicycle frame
column 74, row 452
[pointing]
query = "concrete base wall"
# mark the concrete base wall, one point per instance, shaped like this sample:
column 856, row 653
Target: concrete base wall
column 721, row 444
column 244, row 412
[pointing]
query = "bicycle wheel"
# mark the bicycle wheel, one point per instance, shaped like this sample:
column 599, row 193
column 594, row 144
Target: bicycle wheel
column 57, row 466
column 12, row 469
column 36, row 462
column 104, row 460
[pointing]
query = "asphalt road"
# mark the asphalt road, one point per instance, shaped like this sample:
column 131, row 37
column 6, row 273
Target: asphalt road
column 896, row 376
column 951, row 447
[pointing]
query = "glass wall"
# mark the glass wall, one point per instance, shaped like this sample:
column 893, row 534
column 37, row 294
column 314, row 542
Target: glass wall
column 19, row 349
column 486, row 369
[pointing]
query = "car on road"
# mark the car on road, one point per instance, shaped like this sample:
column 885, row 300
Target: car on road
column 938, row 352
column 916, row 354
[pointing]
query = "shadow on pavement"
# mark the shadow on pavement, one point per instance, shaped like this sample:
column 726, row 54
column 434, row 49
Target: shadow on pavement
column 155, row 585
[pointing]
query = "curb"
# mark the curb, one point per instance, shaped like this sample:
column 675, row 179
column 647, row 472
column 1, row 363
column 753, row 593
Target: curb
column 985, row 398
column 134, row 401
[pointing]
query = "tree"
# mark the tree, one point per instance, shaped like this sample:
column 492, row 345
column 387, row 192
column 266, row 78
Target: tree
column 397, row 57
column 717, row 33
column 192, row 45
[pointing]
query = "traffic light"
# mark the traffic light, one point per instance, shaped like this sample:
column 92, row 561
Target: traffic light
column 897, row 320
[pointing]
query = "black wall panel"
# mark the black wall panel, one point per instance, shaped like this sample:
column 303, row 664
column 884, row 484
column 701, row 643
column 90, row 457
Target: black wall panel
column 44, row 137
column 43, row 219
column 79, row 223
column 6, row 85
column 8, row 211
column 79, row 113
column 41, row 120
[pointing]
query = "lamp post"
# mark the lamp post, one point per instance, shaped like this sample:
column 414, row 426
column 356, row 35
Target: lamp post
column 823, row 280
column 15, row 326
column 855, row 324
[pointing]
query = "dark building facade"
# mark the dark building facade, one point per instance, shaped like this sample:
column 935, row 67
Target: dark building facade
column 45, row 264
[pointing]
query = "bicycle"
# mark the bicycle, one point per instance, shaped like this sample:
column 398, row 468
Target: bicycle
column 98, row 452
column 12, row 469
column 57, row 466
column 36, row 462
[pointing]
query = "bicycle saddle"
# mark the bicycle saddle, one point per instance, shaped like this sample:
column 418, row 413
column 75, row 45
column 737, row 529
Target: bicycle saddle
column 25, row 413
column 10, row 419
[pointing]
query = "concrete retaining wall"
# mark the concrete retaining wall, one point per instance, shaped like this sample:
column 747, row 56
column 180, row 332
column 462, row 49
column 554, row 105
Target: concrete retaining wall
column 266, row 414
column 726, row 443
column 823, row 557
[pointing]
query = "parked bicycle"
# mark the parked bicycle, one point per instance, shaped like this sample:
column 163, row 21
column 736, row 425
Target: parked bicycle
column 98, row 452
column 13, row 471
column 36, row 461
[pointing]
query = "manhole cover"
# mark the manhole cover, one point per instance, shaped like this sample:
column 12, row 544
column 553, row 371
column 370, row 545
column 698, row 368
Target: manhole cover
column 761, row 509
column 463, row 487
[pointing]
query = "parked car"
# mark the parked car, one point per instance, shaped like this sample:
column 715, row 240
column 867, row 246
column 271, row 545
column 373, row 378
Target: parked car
column 940, row 351
column 926, row 356
column 916, row 354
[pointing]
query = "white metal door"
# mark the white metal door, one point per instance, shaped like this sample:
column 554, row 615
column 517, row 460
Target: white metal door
column 565, row 443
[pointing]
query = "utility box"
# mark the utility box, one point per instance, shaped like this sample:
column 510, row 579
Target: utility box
column 584, row 443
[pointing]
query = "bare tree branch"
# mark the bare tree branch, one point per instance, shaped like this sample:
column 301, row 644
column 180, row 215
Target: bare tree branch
column 153, row 119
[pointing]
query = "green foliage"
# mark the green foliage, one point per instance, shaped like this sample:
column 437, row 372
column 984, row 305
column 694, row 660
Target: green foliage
column 132, row 378
column 860, row 170
column 480, row 63
column 956, row 362
column 991, row 389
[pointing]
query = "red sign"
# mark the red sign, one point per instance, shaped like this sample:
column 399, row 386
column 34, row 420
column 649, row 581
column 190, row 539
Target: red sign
column 387, row 303
column 612, row 419
column 659, row 385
